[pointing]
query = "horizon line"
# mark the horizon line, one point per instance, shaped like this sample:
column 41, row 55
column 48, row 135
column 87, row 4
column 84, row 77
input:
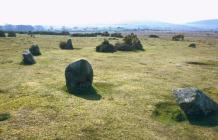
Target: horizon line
column 110, row 24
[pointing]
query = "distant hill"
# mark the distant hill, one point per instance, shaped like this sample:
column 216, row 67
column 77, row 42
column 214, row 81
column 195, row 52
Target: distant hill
column 155, row 25
column 23, row 28
column 205, row 24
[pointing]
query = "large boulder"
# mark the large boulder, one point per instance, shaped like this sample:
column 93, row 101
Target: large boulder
column 28, row 58
column 34, row 49
column 194, row 102
column 69, row 45
column 105, row 46
column 79, row 76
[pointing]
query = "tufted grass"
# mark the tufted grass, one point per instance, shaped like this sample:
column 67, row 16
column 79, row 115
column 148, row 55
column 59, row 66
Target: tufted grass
column 129, row 86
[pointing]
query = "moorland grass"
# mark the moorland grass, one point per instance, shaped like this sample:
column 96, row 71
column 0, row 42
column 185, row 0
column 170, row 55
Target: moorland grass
column 129, row 84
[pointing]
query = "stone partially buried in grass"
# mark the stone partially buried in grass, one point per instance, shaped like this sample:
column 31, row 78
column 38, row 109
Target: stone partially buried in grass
column 79, row 76
column 194, row 102
column 192, row 45
column 34, row 49
column 28, row 58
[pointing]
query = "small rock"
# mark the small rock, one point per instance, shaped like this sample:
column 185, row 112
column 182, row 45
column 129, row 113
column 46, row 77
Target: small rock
column 79, row 76
column 192, row 45
column 194, row 102
column 178, row 37
column 28, row 58
column 35, row 50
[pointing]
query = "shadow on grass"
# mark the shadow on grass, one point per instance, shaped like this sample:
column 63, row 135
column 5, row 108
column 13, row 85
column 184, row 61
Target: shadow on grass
column 140, row 50
column 197, row 63
column 209, row 121
column 88, row 94
column 22, row 63
column 77, row 48
column 206, row 63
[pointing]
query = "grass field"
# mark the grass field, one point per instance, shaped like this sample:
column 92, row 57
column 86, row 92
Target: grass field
column 129, row 86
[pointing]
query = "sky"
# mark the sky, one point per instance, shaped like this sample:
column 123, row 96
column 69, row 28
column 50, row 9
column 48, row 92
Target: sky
column 91, row 12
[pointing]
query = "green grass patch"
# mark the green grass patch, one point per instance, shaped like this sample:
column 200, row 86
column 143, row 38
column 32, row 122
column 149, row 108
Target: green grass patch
column 4, row 116
column 168, row 112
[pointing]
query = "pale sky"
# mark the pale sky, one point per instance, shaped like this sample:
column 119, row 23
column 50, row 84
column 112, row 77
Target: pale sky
column 86, row 12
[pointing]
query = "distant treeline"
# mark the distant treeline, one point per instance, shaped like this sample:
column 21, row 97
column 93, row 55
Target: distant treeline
column 97, row 34
column 105, row 34
column 49, row 33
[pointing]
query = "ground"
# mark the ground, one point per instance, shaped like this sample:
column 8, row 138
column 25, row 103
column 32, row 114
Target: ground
column 128, row 87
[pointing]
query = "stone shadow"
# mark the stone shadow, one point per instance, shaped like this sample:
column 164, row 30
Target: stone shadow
column 88, row 94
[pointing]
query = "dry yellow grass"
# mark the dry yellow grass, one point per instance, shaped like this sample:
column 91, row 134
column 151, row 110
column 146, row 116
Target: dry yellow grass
column 130, row 85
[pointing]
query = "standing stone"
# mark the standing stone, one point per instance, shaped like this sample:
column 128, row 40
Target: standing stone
column 69, row 44
column 79, row 76
column 35, row 50
column 28, row 58
column 194, row 102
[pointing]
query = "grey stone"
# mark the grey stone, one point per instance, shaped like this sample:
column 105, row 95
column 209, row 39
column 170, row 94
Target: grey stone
column 28, row 58
column 69, row 44
column 35, row 50
column 79, row 76
column 194, row 102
